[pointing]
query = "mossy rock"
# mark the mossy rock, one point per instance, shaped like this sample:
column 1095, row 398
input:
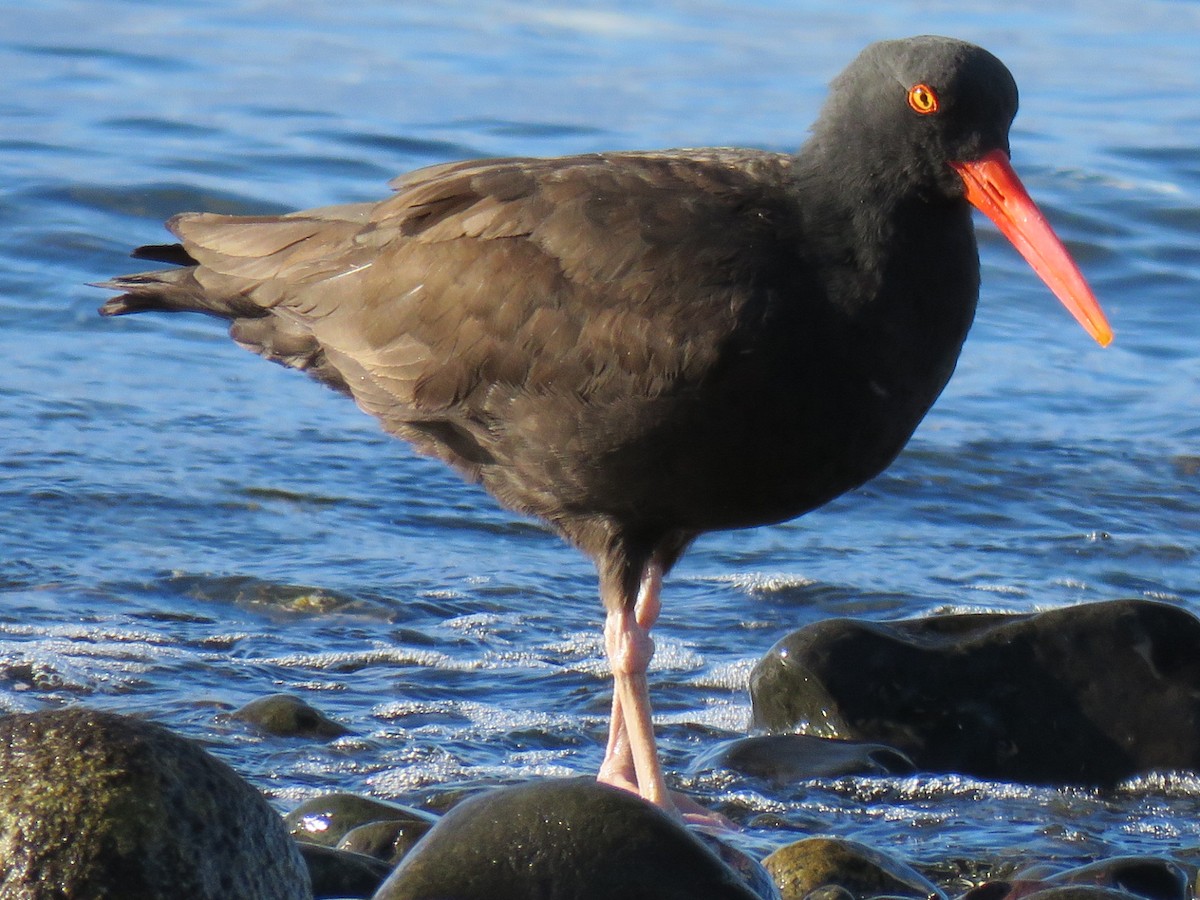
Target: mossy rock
column 98, row 805
column 823, row 863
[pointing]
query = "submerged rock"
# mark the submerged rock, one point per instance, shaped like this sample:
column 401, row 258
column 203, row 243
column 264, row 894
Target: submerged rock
column 1152, row 877
column 96, row 805
column 1079, row 892
column 565, row 839
column 326, row 820
column 388, row 841
column 286, row 715
column 834, row 867
column 1084, row 695
column 1149, row 877
column 786, row 758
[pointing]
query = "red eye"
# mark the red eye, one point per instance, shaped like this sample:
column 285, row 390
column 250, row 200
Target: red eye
column 923, row 99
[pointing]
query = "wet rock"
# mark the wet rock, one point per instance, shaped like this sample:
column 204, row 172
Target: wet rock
column 1146, row 876
column 1079, row 892
column 341, row 873
column 818, row 864
column 991, row 890
column 286, row 715
column 387, row 841
column 787, row 758
column 1152, row 877
column 560, row 839
column 325, row 820
column 752, row 872
column 830, row 892
column 98, row 805
column 1071, row 696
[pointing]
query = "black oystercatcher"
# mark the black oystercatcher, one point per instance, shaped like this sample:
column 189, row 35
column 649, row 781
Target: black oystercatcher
column 641, row 347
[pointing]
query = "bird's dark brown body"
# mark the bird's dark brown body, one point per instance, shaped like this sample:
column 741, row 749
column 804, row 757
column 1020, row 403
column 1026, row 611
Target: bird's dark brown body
column 639, row 348
column 634, row 347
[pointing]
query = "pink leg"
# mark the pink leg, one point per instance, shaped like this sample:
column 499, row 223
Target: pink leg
column 631, row 758
column 617, row 768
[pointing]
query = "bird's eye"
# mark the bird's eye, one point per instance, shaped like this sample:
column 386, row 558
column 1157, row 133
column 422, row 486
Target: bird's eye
column 923, row 99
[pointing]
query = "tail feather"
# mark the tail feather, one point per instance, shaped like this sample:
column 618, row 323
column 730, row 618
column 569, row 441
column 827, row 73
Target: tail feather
column 173, row 290
column 278, row 339
column 166, row 253
column 239, row 268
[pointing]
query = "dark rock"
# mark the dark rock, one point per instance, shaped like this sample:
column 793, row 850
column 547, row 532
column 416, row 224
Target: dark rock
column 565, row 839
column 990, row 890
column 1079, row 892
column 787, row 758
column 388, row 841
column 98, row 805
column 1151, row 877
column 342, row 873
column 325, row 820
column 816, row 863
column 751, row 872
column 285, row 715
column 1081, row 695
column 1146, row 876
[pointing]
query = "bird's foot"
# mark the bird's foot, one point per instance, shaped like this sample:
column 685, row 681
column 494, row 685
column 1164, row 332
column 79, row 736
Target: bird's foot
column 679, row 805
column 694, row 814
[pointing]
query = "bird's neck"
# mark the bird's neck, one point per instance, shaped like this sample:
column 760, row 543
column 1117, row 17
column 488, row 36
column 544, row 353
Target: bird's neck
column 870, row 221
column 898, row 260
column 848, row 212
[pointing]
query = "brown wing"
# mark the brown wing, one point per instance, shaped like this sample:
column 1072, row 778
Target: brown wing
column 491, row 310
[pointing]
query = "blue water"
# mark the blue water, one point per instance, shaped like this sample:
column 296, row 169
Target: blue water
column 184, row 527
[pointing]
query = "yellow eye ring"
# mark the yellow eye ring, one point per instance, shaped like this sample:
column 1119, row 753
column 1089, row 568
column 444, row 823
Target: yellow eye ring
column 923, row 99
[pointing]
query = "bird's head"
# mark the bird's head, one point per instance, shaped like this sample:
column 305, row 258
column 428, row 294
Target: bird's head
column 930, row 116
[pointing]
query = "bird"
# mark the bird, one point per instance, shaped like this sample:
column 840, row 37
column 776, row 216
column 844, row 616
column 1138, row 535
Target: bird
column 638, row 348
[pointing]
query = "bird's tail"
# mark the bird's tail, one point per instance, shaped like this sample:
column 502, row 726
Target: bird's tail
column 194, row 287
column 171, row 290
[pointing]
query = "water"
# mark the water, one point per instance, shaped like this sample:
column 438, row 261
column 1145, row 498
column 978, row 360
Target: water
column 184, row 527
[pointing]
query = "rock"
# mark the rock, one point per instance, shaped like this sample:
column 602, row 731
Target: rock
column 830, row 892
column 387, row 841
column 98, row 805
column 817, row 863
column 751, row 872
column 1147, row 876
column 1079, row 892
column 342, row 873
column 992, row 890
column 564, row 839
column 787, row 758
column 1070, row 696
column 325, row 820
column 286, row 715
column 1152, row 877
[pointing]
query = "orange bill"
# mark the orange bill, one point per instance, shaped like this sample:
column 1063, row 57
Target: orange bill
column 994, row 188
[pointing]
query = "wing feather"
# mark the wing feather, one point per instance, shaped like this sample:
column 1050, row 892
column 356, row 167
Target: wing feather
column 597, row 280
